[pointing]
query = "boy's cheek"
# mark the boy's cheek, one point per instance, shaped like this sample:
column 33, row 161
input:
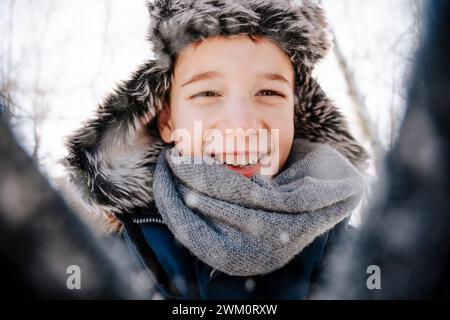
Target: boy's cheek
column 285, row 142
column 188, row 146
column 281, row 145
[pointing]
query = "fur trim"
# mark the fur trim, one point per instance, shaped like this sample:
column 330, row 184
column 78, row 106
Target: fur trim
column 111, row 158
column 300, row 30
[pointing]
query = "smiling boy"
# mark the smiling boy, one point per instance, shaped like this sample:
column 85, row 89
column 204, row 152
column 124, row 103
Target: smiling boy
column 224, row 228
column 209, row 86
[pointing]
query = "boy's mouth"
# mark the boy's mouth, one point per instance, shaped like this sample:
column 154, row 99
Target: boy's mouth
column 247, row 170
column 246, row 164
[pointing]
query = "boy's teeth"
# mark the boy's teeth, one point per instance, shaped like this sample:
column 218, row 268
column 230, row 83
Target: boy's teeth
column 229, row 160
column 241, row 163
column 253, row 159
column 241, row 160
column 238, row 161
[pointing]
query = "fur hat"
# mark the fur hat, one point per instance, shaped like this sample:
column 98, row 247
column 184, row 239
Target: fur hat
column 111, row 158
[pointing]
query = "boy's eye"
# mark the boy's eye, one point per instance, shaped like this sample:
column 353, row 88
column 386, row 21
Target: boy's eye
column 264, row 92
column 206, row 94
column 268, row 92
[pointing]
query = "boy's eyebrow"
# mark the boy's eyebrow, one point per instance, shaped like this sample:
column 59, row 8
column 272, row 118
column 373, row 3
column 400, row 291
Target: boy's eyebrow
column 275, row 76
column 214, row 74
column 202, row 76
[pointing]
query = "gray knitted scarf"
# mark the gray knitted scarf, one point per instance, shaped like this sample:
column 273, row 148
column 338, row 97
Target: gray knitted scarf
column 246, row 227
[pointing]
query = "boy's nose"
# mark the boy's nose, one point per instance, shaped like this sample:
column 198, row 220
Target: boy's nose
column 240, row 114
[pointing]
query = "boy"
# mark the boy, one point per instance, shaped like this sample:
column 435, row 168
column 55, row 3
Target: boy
column 221, row 161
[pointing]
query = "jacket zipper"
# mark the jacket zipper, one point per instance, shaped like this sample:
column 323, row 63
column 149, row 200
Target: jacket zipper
column 148, row 220
column 213, row 272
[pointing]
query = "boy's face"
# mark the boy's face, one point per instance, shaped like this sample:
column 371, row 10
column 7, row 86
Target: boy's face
column 237, row 88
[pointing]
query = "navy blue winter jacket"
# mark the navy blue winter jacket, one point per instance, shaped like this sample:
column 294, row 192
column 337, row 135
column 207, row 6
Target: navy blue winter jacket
column 180, row 275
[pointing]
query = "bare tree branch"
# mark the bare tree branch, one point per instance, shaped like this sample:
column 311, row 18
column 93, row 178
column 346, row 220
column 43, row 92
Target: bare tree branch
column 368, row 128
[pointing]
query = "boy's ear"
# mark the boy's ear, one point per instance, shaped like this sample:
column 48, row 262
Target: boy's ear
column 164, row 123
